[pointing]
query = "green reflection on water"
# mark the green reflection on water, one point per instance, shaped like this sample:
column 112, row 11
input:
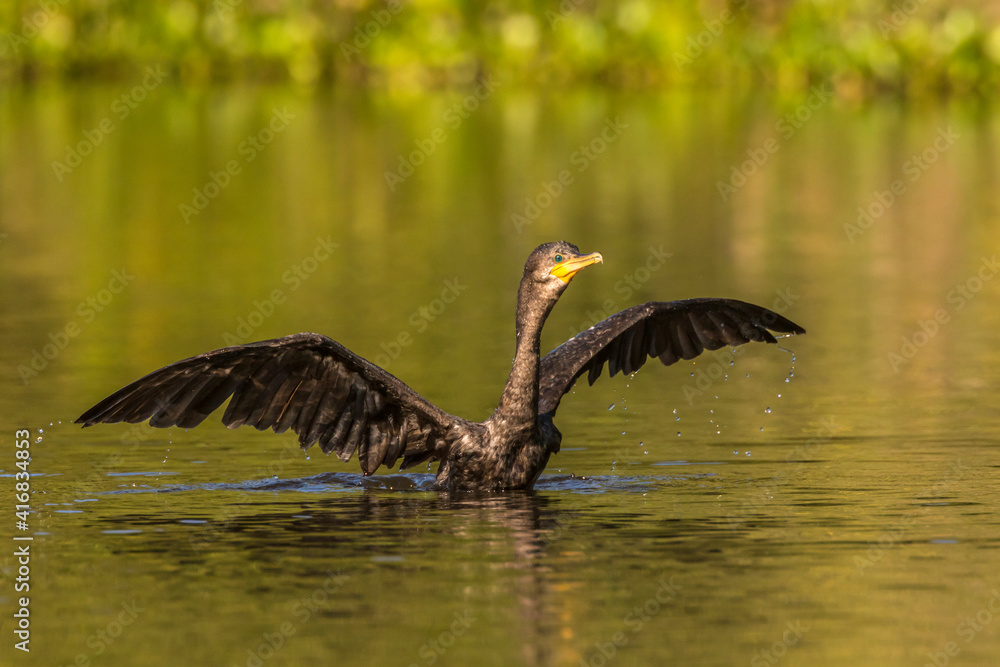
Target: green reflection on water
column 755, row 541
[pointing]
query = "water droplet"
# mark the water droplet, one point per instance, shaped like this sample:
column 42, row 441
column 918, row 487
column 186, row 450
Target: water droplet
column 692, row 374
column 675, row 411
column 38, row 439
column 748, row 375
column 41, row 431
column 767, row 410
column 678, row 434
column 611, row 407
column 761, row 429
column 748, row 452
column 787, row 380
column 736, row 452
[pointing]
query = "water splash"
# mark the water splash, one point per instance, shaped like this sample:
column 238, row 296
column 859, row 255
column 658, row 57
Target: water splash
column 791, row 367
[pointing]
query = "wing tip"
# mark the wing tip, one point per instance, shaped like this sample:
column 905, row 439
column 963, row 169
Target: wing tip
column 779, row 323
column 794, row 330
column 88, row 418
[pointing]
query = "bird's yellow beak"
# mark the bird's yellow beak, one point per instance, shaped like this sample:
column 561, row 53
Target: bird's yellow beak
column 569, row 267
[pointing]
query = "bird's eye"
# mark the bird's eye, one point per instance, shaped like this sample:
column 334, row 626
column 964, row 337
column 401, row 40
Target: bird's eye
column 559, row 258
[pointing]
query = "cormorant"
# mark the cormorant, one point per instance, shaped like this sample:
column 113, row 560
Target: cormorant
column 328, row 395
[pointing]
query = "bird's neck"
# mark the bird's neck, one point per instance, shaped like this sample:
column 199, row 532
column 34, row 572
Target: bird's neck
column 519, row 402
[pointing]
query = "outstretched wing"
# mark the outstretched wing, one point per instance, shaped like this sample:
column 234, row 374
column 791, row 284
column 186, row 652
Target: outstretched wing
column 306, row 382
column 668, row 330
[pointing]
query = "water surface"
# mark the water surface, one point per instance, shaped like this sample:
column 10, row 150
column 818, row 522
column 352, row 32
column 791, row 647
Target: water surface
column 829, row 501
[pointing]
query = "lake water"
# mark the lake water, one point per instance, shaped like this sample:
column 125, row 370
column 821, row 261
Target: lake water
column 829, row 501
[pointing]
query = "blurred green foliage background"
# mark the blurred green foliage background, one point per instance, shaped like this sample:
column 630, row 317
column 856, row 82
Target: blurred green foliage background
column 913, row 47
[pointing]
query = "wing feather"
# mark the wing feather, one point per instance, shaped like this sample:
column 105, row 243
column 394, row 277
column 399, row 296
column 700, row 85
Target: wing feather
column 307, row 383
column 668, row 331
column 171, row 412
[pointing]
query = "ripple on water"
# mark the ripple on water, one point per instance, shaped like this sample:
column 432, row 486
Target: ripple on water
column 333, row 482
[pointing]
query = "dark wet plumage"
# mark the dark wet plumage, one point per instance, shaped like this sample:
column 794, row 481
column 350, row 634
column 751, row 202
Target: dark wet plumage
column 332, row 397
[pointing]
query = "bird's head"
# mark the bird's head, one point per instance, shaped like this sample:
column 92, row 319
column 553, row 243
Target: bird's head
column 553, row 265
column 547, row 272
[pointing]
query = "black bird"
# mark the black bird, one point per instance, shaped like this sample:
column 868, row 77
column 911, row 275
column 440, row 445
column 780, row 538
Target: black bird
column 329, row 395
